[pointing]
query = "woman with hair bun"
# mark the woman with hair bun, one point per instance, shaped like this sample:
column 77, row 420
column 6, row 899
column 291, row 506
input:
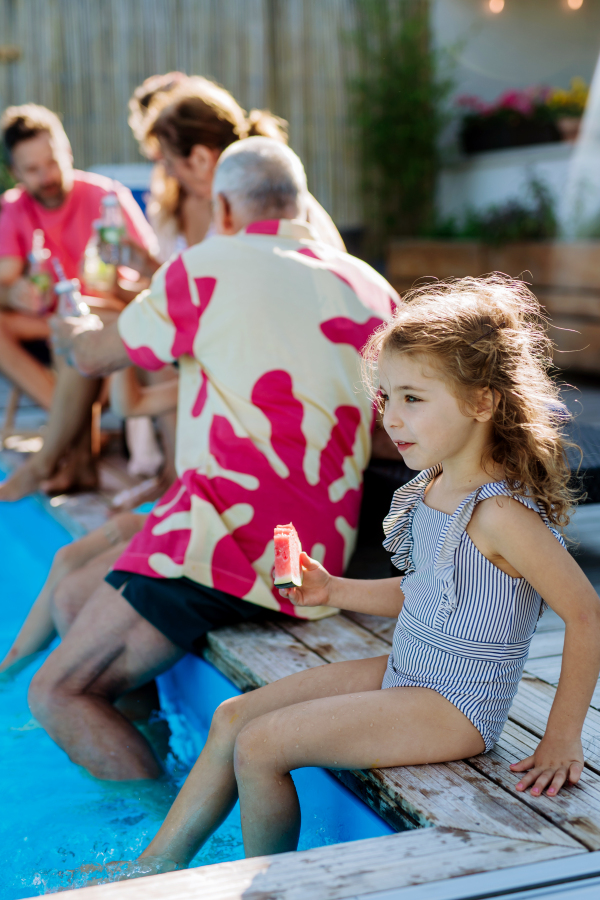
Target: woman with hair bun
column 185, row 129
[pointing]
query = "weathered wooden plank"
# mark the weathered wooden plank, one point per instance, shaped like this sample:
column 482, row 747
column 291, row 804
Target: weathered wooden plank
column 452, row 795
column 336, row 639
column 547, row 643
column 379, row 625
column 342, row 871
column 576, row 810
column 253, row 655
column 547, row 668
column 531, row 708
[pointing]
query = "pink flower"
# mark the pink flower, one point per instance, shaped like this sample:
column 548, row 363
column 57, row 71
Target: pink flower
column 472, row 104
column 518, row 101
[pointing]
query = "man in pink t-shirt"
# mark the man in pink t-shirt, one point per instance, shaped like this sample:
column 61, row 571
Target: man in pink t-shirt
column 63, row 203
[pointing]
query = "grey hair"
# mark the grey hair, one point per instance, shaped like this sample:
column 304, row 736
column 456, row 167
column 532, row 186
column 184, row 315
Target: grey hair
column 262, row 175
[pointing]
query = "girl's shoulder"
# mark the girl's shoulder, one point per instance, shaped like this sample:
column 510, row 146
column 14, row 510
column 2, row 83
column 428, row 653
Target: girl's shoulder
column 397, row 524
column 504, row 510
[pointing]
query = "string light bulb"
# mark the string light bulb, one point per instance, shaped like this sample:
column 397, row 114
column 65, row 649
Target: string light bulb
column 574, row 4
column 496, row 6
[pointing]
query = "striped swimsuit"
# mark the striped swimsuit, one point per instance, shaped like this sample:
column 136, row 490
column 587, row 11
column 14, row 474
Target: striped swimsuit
column 465, row 626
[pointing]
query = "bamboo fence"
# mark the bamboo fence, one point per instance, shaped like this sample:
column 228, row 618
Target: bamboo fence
column 83, row 59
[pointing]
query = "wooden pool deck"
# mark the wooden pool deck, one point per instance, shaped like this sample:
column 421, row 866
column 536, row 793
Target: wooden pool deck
column 456, row 820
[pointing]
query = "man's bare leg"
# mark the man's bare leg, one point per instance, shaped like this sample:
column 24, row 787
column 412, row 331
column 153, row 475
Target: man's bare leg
column 69, row 423
column 72, row 578
column 108, row 651
column 29, row 375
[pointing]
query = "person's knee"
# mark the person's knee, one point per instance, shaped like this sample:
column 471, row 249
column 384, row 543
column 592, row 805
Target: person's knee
column 6, row 332
column 67, row 602
column 254, row 749
column 227, row 720
column 126, row 524
column 44, row 695
column 66, row 559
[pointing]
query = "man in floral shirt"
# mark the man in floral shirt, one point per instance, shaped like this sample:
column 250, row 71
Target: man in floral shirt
column 266, row 324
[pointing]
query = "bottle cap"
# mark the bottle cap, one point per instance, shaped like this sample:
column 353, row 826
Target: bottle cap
column 63, row 287
column 110, row 200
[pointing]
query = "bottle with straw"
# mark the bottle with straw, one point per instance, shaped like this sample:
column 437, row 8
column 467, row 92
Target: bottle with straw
column 70, row 302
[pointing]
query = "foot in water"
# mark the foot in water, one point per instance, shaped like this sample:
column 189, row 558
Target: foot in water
column 26, row 480
column 118, row 871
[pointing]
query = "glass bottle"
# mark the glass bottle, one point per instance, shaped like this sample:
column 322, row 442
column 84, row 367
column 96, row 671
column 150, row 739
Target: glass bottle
column 96, row 274
column 70, row 302
column 111, row 230
column 40, row 274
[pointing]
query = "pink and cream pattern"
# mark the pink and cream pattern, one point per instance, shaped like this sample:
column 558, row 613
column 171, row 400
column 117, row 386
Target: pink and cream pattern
column 273, row 425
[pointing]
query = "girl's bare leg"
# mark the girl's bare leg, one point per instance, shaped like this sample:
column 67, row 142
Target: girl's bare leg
column 334, row 715
column 400, row 726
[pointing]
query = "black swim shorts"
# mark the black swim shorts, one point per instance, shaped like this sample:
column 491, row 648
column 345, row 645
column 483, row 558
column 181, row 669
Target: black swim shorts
column 182, row 609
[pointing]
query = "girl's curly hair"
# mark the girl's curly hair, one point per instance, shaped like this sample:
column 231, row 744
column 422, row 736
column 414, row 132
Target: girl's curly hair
column 490, row 332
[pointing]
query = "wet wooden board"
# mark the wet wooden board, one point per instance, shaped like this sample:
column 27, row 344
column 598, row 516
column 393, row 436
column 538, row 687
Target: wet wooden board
column 576, row 809
column 378, row 625
column 339, row 872
column 337, row 639
column 452, row 795
column 252, row 655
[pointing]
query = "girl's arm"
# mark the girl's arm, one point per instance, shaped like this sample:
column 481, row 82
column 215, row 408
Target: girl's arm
column 381, row 597
column 519, row 537
column 129, row 398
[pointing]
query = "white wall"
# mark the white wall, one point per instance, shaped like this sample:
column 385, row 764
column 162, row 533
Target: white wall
column 531, row 42
column 487, row 179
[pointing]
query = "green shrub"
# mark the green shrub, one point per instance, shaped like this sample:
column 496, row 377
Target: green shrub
column 514, row 220
column 6, row 179
column 397, row 105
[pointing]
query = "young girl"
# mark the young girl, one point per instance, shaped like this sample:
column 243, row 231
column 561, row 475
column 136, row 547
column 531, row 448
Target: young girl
column 468, row 403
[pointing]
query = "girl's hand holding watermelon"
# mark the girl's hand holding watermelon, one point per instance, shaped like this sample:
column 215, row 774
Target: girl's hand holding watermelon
column 316, row 584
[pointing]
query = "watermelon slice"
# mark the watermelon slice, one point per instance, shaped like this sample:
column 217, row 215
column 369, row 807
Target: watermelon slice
column 287, row 557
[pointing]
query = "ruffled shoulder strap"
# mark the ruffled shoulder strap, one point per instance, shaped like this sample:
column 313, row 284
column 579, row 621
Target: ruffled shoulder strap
column 452, row 536
column 397, row 525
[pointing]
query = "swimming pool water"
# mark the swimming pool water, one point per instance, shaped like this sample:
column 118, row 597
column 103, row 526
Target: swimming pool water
column 54, row 817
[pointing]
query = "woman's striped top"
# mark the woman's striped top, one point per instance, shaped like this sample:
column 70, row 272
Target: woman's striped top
column 465, row 626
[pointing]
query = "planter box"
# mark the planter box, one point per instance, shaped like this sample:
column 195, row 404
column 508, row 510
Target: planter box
column 480, row 135
column 564, row 276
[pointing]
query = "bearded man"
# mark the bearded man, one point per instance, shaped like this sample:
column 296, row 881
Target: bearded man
column 63, row 203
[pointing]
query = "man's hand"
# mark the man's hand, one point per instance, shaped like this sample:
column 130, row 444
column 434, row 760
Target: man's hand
column 91, row 346
column 138, row 258
column 64, row 332
column 24, row 297
column 556, row 760
column 316, row 584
